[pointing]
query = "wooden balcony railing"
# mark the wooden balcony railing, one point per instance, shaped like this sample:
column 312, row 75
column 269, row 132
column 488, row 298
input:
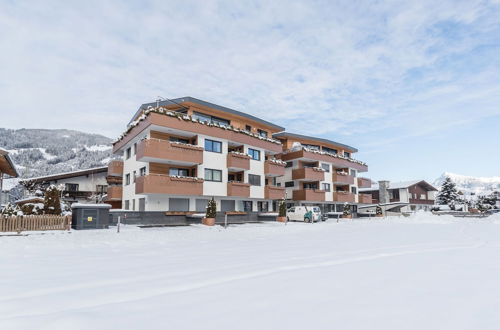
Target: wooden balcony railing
column 165, row 184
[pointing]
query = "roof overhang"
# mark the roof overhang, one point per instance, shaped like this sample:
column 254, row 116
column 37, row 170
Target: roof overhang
column 6, row 164
column 313, row 138
column 66, row 175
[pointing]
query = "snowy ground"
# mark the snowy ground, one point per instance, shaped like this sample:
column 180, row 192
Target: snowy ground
column 424, row 272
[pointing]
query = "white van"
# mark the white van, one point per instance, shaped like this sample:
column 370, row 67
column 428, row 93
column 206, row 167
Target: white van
column 304, row 213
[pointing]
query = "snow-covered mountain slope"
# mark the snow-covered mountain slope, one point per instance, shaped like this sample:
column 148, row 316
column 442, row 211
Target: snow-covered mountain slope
column 39, row 152
column 470, row 185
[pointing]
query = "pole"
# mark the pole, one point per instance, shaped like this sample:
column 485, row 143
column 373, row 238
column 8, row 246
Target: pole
column 1, row 188
column 118, row 225
column 225, row 220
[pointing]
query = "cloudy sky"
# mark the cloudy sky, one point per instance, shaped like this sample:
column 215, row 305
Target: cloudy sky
column 414, row 85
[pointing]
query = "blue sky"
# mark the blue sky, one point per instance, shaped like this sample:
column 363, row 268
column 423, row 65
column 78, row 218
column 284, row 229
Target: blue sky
column 414, row 85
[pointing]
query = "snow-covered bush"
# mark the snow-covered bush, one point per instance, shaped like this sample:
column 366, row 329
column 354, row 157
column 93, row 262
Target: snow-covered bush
column 11, row 209
column 52, row 202
column 347, row 209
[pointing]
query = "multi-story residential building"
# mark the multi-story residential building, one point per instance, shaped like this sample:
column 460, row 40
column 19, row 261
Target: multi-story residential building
column 419, row 194
column 321, row 172
column 82, row 186
column 114, row 179
column 179, row 153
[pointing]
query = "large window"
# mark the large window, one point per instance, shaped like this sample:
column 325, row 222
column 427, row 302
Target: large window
column 255, row 154
column 178, row 171
column 71, row 187
column 176, row 139
column 262, row 133
column 254, row 180
column 326, row 167
column 101, row 188
column 247, row 206
column 325, row 186
column 210, row 119
column 213, row 175
column 330, row 150
column 213, row 146
column 263, row 206
column 289, row 184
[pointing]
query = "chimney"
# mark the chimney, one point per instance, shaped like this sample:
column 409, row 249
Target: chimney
column 383, row 191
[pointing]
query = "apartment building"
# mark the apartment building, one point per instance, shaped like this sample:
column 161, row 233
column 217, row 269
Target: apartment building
column 177, row 154
column 321, row 172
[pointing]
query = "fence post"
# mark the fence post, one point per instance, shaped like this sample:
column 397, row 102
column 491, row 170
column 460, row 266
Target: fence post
column 118, row 225
column 225, row 220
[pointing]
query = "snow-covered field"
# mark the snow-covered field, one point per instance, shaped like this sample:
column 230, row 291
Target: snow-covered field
column 424, row 272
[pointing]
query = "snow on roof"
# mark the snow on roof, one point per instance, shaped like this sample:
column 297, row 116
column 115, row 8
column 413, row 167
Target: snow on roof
column 396, row 185
column 68, row 174
column 90, row 206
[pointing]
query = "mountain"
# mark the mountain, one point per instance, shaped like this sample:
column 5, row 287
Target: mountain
column 470, row 185
column 38, row 152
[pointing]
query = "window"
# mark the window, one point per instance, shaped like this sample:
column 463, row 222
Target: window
column 326, row 167
column 255, row 154
column 325, row 186
column 347, row 154
column 289, row 164
column 127, row 179
column 134, row 174
column 71, row 187
column 422, row 196
column 142, row 171
column 135, row 148
column 330, row 150
column 213, row 175
column 263, row 206
column 289, row 184
column 248, row 128
column 262, row 133
column 127, row 205
column 313, row 185
column 213, row 146
column 311, row 146
column 176, row 139
column 127, row 154
column 247, row 206
column 353, row 172
column 210, row 119
column 133, row 205
column 353, row 190
column 101, row 188
column 178, row 171
column 254, row 180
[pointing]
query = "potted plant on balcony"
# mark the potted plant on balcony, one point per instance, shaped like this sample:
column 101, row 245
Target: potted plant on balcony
column 378, row 211
column 209, row 219
column 281, row 212
column 347, row 211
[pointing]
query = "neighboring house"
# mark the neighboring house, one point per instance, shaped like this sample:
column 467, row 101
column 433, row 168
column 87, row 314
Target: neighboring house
column 7, row 170
column 82, row 186
column 177, row 154
column 419, row 194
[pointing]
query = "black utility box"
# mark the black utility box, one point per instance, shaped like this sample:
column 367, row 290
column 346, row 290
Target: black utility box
column 90, row 216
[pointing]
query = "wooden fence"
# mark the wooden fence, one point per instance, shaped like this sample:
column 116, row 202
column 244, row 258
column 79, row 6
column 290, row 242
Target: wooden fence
column 34, row 223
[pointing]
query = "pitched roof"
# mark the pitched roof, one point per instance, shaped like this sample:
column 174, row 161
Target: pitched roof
column 66, row 175
column 180, row 100
column 299, row 136
column 400, row 185
column 6, row 164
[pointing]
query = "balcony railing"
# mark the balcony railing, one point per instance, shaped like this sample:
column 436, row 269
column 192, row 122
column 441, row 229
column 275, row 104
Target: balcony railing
column 274, row 192
column 115, row 193
column 115, row 168
column 364, row 183
column 163, row 151
column 274, row 168
column 365, row 198
column 238, row 189
column 308, row 173
column 238, row 161
column 309, row 195
column 340, row 196
column 342, row 178
column 165, row 184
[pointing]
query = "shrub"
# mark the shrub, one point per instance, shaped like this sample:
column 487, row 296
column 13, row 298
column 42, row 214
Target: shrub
column 211, row 209
column 282, row 209
column 378, row 210
column 52, row 202
column 347, row 209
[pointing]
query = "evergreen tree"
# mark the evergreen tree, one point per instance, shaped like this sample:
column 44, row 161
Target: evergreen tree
column 448, row 194
column 282, row 209
column 211, row 209
column 347, row 209
column 52, row 202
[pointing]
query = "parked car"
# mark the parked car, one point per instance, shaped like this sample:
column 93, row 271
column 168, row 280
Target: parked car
column 304, row 213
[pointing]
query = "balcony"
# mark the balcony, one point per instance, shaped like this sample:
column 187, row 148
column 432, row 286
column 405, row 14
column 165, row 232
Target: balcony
column 239, row 189
column 115, row 193
column 309, row 195
column 238, row 161
column 166, row 152
column 342, row 178
column 272, row 168
column 164, row 184
column 322, row 157
column 364, row 183
column 365, row 199
column 344, row 197
column 274, row 192
column 115, row 168
column 308, row 173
